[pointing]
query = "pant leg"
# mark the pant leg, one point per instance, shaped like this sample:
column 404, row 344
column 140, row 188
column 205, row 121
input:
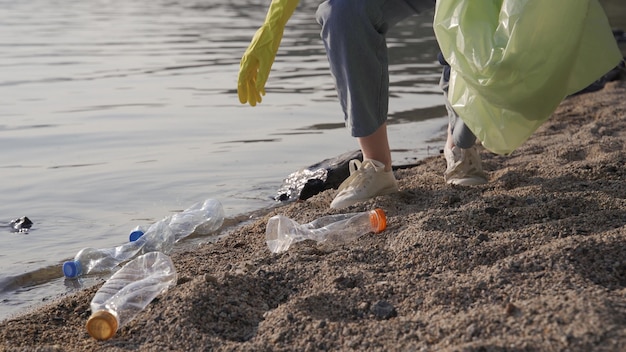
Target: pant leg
column 354, row 33
column 462, row 136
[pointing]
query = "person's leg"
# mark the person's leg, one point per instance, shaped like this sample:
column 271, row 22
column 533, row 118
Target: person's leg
column 464, row 166
column 376, row 146
column 458, row 133
column 354, row 32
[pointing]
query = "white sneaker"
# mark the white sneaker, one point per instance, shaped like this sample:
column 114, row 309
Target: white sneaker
column 367, row 180
column 464, row 167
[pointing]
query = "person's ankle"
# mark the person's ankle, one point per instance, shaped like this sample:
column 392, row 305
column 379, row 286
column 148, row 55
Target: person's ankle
column 387, row 165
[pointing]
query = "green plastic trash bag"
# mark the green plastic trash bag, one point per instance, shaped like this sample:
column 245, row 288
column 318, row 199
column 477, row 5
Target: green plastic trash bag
column 513, row 61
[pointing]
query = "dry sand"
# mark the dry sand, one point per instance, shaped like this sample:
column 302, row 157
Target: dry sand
column 533, row 261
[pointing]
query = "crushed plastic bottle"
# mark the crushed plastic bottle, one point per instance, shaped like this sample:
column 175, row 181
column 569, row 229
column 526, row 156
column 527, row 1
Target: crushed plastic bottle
column 97, row 260
column 205, row 217
column 128, row 292
column 158, row 237
column 281, row 232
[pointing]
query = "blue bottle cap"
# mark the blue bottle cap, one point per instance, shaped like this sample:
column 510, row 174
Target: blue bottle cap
column 72, row 269
column 134, row 236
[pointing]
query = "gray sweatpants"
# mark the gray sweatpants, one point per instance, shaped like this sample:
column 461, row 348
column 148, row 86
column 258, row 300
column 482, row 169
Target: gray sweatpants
column 354, row 33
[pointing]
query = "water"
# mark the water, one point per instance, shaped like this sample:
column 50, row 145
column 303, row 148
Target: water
column 117, row 113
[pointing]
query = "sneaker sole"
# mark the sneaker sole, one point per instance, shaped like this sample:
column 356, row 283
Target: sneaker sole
column 467, row 181
column 347, row 203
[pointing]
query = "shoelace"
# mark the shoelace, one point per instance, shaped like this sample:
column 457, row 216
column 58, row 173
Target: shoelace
column 358, row 175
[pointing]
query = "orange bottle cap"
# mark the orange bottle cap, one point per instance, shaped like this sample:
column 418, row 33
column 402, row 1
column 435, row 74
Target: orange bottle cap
column 102, row 325
column 378, row 219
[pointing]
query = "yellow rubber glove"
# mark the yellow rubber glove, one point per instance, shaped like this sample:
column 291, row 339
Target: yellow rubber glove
column 258, row 59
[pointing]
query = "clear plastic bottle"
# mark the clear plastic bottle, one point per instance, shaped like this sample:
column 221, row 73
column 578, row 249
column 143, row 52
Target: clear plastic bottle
column 281, row 232
column 128, row 292
column 158, row 237
column 98, row 260
column 205, row 217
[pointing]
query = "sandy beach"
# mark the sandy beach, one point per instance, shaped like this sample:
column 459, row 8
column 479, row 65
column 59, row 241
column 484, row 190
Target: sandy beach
column 533, row 261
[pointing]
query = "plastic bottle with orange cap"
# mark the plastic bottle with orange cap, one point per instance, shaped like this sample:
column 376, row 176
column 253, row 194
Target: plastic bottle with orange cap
column 138, row 282
column 281, row 232
column 128, row 292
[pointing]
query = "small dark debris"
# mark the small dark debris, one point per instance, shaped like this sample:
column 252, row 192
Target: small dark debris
column 183, row 280
column 511, row 309
column 384, row 310
column 345, row 282
column 492, row 210
column 22, row 224
column 482, row 238
column 453, row 199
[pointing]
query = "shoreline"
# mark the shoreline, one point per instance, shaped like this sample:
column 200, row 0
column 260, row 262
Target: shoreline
column 534, row 260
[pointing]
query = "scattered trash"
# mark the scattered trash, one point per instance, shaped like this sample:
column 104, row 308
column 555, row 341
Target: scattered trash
column 159, row 237
column 204, row 217
column 128, row 292
column 22, row 224
column 305, row 183
column 281, row 232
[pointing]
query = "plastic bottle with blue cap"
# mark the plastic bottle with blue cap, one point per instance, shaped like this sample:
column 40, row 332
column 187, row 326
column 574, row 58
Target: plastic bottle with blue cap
column 202, row 217
column 158, row 237
column 128, row 292
column 281, row 232
column 135, row 233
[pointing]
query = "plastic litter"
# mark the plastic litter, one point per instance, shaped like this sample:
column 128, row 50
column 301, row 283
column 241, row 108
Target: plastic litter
column 22, row 224
column 135, row 233
column 281, row 232
column 158, row 237
column 128, row 292
column 205, row 217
